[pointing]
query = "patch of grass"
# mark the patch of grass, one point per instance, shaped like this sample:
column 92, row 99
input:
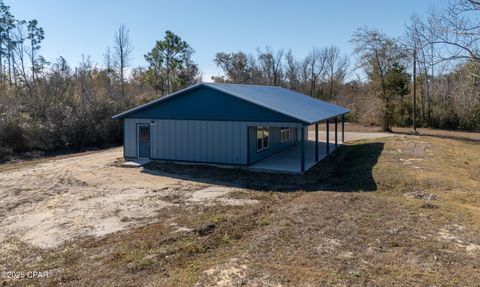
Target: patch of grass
column 263, row 222
column 140, row 264
column 429, row 206
column 225, row 238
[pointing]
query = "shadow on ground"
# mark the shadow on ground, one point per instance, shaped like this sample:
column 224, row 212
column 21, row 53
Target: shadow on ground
column 348, row 169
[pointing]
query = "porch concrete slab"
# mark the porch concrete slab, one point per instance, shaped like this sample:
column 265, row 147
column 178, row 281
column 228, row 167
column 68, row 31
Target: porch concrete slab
column 288, row 160
column 135, row 163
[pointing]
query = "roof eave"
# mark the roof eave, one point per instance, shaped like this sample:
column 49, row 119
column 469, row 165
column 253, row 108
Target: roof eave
column 324, row 119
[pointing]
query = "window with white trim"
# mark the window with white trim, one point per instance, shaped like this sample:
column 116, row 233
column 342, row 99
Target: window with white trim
column 285, row 134
column 262, row 138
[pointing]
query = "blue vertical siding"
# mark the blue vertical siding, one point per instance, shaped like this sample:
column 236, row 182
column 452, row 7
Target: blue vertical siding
column 224, row 142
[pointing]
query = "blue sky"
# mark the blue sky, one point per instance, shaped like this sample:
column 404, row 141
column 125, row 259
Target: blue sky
column 74, row 27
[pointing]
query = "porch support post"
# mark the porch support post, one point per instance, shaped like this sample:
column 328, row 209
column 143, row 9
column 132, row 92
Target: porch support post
column 316, row 142
column 302, row 149
column 328, row 136
column 343, row 128
column 336, row 132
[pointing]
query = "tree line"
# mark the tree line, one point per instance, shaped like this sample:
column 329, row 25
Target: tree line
column 53, row 105
column 377, row 84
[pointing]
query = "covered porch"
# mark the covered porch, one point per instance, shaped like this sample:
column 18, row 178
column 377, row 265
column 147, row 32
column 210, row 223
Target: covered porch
column 312, row 148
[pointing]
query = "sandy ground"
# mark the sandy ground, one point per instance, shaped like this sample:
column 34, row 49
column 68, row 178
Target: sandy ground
column 50, row 203
column 89, row 195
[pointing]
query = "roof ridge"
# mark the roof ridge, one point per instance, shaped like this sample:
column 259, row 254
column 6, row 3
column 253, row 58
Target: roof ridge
column 249, row 85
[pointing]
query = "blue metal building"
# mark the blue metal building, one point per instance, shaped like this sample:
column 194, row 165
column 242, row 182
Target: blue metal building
column 225, row 124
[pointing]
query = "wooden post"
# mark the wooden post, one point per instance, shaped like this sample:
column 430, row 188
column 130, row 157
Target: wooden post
column 302, row 148
column 336, row 132
column 343, row 128
column 328, row 136
column 316, row 142
column 414, row 131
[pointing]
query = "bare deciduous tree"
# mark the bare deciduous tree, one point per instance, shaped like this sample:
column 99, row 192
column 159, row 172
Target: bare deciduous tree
column 108, row 60
column 271, row 65
column 336, row 68
column 315, row 63
column 292, row 71
column 123, row 49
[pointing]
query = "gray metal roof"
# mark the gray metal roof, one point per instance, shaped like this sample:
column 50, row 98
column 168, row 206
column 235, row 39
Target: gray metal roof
column 285, row 101
column 304, row 108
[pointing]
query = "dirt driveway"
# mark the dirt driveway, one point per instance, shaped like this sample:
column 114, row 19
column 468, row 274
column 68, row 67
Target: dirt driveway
column 49, row 203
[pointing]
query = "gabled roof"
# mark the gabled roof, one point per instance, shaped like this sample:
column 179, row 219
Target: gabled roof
column 296, row 105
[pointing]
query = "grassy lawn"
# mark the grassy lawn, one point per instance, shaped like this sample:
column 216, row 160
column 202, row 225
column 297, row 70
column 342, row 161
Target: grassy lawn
column 402, row 211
